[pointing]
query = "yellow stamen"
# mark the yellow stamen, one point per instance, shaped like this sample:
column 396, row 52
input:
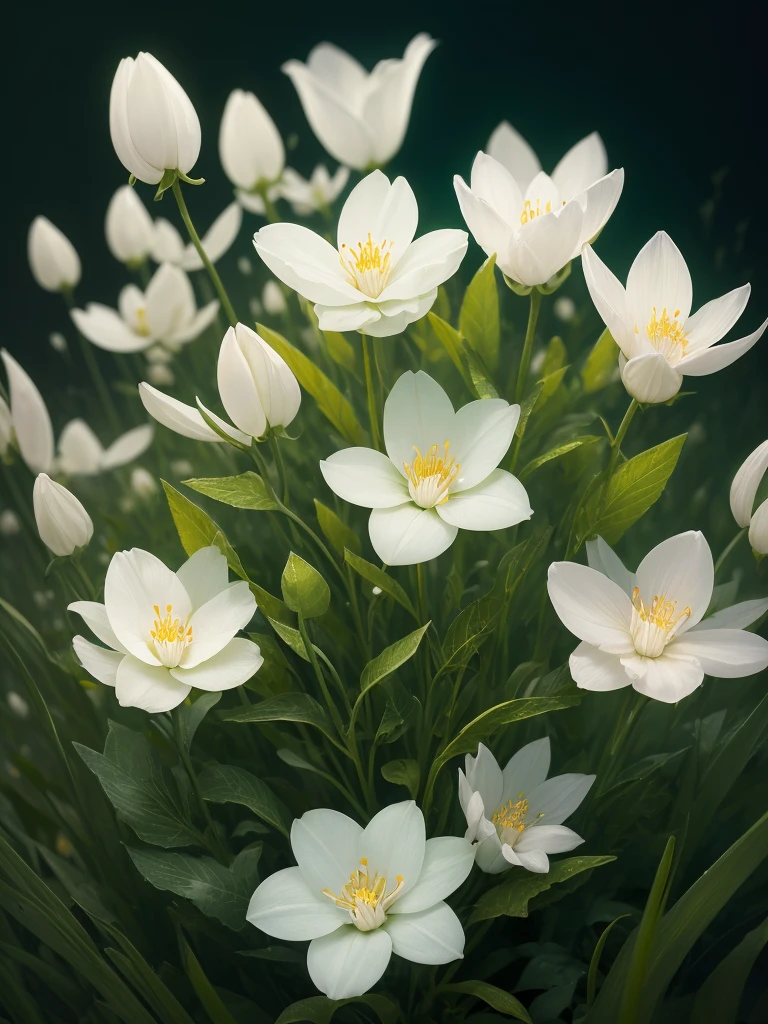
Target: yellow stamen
column 368, row 265
column 529, row 212
column 511, row 814
column 666, row 334
column 143, row 323
column 361, row 888
column 168, row 629
column 660, row 612
column 430, row 476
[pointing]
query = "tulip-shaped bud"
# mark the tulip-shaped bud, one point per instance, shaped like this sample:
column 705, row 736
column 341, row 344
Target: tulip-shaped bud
column 257, row 387
column 6, row 427
column 273, row 299
column 743, row 493
column 250, row 147
column 62, row 522
column 153, row 124
column 53, row 260
column 128, row 227
column 32, row 428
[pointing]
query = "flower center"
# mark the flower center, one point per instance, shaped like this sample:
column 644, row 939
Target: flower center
column 368, row 265
column 530, row 212
column 653, row 627
column 430, row 476
column 666, row 335
column 170, row 637
column 142, row 324
column 366, row 898
column 509, row 819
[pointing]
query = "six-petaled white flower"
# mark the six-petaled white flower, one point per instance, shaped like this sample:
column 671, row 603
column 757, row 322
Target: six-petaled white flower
column 743, row 493
column 515, row 817
column 361, row 894
column 651, row 320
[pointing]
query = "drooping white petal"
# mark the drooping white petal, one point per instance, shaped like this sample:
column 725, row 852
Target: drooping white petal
column 738, row 616
column 186, row 123
column 758, row 529
column 80, row 451
column 668, row 678
column 548, row 839
column 218, row 239
column 526, row 769
column 511, row 150
column 407, row 535
column 232, row 666
column 680, row 569
column 591, row 606
column 659, row 278
column 104, row 328
column 488, row 855
column 177, row 416
column 725, row 653
column 364, row 477
column 583, row 165
column 480, row 436
column 204, row 575
column 593, row 669
column 715, row 318
column 128, row 446
column 609, row 297
column 602, row 557
column 151, row 688
column 325, row 844
column 417, row 414
column 62, row 521
column 391, row 323
column 432, row 936
column 98, row 661
column 532, row 860
column 649, row 378
column 31, row 422
column 496, row 503
column 710, row 360
column 94, row 615
column 493, row 183
column 488, row 228
column 599, row 202
column 429, row 261
column 305, row 262
column 557, row 798
column 746, row 482
column 348, row 962
column 284, row 907
column 393, row 842
column 215, row 623
column 126, row 149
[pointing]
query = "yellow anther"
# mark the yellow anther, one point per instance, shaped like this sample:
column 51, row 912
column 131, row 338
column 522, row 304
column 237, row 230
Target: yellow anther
column 169, row 630
column 667, row 335
column 530, row 212
column 143, row 324
column 368, row 265
column 660, row 612
column 430, row 476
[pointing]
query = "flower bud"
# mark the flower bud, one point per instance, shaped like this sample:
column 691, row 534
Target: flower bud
column 53, row 260
column 256, row 385
column 273, row 299
column 6, row 427
column 62, row 522
column 153, row 124
column 128, row 227
column 143, row 484
column 745, row 484
column 10, row 524
column 250, row 147
column 32, row 428
column 758, row 529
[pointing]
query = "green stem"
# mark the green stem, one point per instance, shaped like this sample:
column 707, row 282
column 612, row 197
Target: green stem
column 213, row 843
column 212, row 272
column 608, row 768
column 525, row 359
column 634, row 405
column 277, row 455
column 728, row 549
column 312, row 655
column 75, row 562
column 97, row 378
column 370, row 389
column 270, row 210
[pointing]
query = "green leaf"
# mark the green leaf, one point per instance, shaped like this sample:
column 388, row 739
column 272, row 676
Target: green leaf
column 594, row 963
column 602, row 364
column 247, row 490
column 512, row 897
column 25, row 625
column 287, row 707
column 453, row 343
column 291, row 636
column 490, row 994
column 549, row 385
column 479, row 316
column 215, row 890
column 158, row 995
column 206, row 993
column 555, row 357
column 191, row 715
column 134, row 785
column 225, row 784
column 403, row 772
column 555, row 453
column 479, row 374
column 390, row 659
column 336, row 532
column 516, row 563
column 320, row 1009
column 526, row 408
column 380, row 579
column 471, row 627
column 330, row 401
column 719, row 997
column 635, row 486
column 304, row 589
column 340, row 351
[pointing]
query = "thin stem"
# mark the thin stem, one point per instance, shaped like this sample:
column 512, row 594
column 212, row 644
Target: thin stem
column 525, row 359
column 311, row 654
column 82, row 575
column 214, row 844
column 728, row 549
column 97, row 378
column 370, row 388
column 270, row 210
column 277, row 455
column 634, row 405
column 212, row 272
column 607, row 771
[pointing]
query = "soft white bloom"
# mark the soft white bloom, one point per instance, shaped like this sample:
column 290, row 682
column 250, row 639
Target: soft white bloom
column 379, row 279
column 158, row 354
column 515, row 817
column 250, row 147
column 359, row 118
column 651, row 321
column 161, row 375
column 165, row 313
column 128, row 227
column 10, row 524
column 6, row 426
column 244, row 265
column 31, row 423
column 646, row 629
column 182, row 467
column 81, row 453
column 62, row 522
column 743, row 493
column 254, row 201
column 583, row 164
column 53, row 260
column 273, row 299
column 153, row 124
column 361, row 894
column 564, row 308
column 439, row 474
column 57, row 341
column 320, row 192
column 18, row 705
column 257, row 387
column 167, row 632
column 143, row 483
column 534, row 230
column 167, row 245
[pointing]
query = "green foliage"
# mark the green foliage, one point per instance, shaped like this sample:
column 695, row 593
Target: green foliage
column 244, row 491
column 304, row 589
column 479, row 316
column 495, row 997
column 224, row 784
column 600, row 366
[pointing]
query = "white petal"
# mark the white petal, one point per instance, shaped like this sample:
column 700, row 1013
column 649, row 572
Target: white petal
column 170, row 301
column 348, row 962
column 724, row 653
column 104, row 328
column 407, row 535
column 494, row 184
column 746, row 482
column 534, row 860
column 215, row 623
column 583, row 165
column 386, row 212
column 204, row 575
column 593, row 669
column 548, row 839
column 94, row 615
column 710, row 360
column 128, row 226
column 602, row 557
column 659, row 278
column 557, row 798
column 526, row 769
column 428, row 262
column 125, row 148
column 715, row 318
column 175, row 415
column 488, row 855
column 480, row 436
column 284, row 908
column 498, row 502
column 433, row 936
column 167, row 244
column 217, row 240
column 391, row 322
column 465, row 793
column 650, row 379
column 738, row 616
column 80, row 451
column 609, row 297
column 325, row 844
column 346, row 318
column 600, row 200
column 139, row 685
column 417, row 414
column 98, row 661
column 364, row 477
column 128, row 447
column 544, row 245
column 53, row 259
column 305, row 262
column 591, row 606
column 512, row 151
column 393, row 842
column 232, row 666
column 668, row 678
column 193, row 328
column 485, row 777
column 488, row 228
column 758, row 529
column 186, row 123
column 31, row 422
column 681, row 569
column 250, row 146
column 237, row 388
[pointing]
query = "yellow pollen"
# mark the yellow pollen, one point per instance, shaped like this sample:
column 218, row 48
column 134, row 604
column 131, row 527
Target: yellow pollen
column 666, row 334
column 530, row 212
column 362, row 888
column 168, row 629
column 661, row 612
column 141, row 319
column 432, row 473
column 368, row 264
column 511, row 814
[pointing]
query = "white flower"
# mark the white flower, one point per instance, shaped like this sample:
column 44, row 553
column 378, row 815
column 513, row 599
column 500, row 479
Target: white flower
column 80, row 452
column 439, row 473
column 534, row 230
column 644, row 631
column 165, row 313
column 250, row 148
column 31, row 423
column 10, row 524
column 320, row 192
column 6, row 427
column 57, row 341
column 153, row 125
column 257, row 387
column 378, row 280
column 167, row 245
column 583, row 164
column 128, row 227
column 53, row 260
column 143, row 482
column 361, row 894
column 167, row 632
column 660, row 341
column 743, row 492
column 18, row 705
column 359, row 118
column 515, row 817
column 62, row 522
column 161, row 375
column 182, row 467
column 273, row 299
column 564, row 308
column 245, row 266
